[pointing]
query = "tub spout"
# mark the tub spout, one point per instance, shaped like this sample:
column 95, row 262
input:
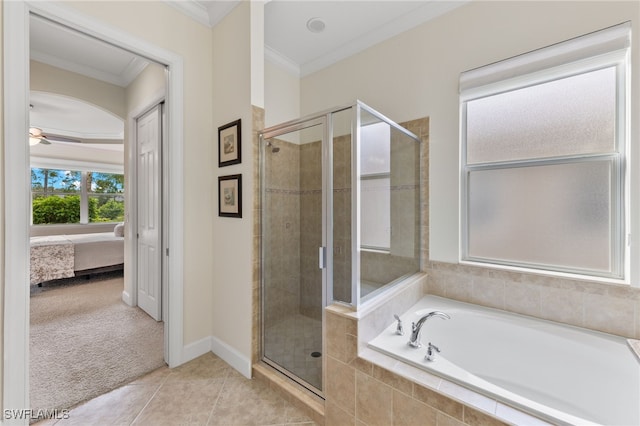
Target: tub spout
column 416, row 328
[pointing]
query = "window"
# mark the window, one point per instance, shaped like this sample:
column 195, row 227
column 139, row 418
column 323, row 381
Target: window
column 375, row 187
column 67, row 196
column 543, row 158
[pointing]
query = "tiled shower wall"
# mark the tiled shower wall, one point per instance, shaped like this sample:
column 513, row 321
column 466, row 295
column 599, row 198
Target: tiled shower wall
column 282, row 203
column 311, row 229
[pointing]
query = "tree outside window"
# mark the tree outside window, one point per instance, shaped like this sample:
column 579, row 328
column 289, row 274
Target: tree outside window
column 58, row 196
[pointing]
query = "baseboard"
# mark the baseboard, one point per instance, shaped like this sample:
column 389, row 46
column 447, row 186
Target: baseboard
column 126, row 298
column 231, row 356
column 228, row 354
column 195, row 349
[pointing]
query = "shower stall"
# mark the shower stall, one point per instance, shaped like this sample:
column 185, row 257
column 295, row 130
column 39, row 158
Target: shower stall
column 340, row 215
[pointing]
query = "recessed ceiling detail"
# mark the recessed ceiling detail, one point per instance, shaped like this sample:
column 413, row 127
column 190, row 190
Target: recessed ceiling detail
column 73, row 118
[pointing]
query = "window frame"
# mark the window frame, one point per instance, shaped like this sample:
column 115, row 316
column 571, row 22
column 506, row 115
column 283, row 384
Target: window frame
column 83, row 192
column 620, row 197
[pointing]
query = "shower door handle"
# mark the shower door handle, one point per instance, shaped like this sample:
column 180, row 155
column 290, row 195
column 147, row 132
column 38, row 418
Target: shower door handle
column 322, row 257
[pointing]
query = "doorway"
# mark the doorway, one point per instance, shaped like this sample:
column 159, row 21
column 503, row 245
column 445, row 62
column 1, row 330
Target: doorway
column 16, row 212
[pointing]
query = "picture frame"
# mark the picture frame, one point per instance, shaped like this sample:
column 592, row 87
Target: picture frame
column 230, row 196
column 229, row 144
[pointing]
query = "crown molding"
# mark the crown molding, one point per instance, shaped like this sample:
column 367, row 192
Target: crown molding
column 208, row 12
column 193, row 9
column 278, row 59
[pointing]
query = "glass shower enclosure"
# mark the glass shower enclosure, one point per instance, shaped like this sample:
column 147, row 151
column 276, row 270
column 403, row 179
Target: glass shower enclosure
column 340, row 222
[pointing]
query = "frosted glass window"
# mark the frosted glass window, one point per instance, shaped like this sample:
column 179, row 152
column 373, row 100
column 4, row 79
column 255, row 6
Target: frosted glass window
column 375, row 148
column 375, row 207
column 553, row 215
column 543, row 159
column 570, row 116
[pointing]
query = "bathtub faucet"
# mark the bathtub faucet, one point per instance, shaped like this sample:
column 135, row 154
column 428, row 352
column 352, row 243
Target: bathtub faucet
column 417, row 327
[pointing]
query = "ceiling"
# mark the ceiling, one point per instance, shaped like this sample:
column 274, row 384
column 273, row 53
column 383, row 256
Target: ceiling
column 349, row 27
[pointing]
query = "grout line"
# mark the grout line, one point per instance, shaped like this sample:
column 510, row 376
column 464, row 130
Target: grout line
column 215, row 404
column 150, row 399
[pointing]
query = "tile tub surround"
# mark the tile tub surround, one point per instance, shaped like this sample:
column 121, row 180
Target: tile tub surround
column 609, row 308
column 368, row 388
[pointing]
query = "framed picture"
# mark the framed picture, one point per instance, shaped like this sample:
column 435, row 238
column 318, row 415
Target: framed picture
column 229, row 144
column 230, row 196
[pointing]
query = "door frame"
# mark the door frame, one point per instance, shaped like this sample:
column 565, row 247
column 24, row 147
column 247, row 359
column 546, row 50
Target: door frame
column 326, row 251
column 15, row 367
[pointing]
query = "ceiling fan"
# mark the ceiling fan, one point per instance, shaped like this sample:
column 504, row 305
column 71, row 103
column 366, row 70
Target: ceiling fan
column 36, row 136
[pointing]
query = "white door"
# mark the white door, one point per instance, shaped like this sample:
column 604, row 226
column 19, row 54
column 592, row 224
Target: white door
column 149, row 244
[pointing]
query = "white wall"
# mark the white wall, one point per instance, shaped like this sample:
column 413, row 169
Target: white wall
column 281, row 94
column 416, row 74
column 235, row 88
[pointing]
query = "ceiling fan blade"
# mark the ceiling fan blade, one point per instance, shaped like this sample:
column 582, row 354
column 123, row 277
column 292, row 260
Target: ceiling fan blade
column 56, row 138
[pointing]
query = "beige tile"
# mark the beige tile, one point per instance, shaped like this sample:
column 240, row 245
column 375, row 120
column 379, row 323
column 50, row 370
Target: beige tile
column 443, row 420
column 336, row 416
column 156, row 377
column 610, row 314
column 488, row 291
column 468, row 397
column 265, row 407
column 478, row 418
column 393, row 380
column 562, row 305
column 439, row 402
column 522, row 298
column 203, row 368
column 341, row 385
column 185, row 402
column 120, row 406
column 408, row 411
column 457, row 286
column 374, row 400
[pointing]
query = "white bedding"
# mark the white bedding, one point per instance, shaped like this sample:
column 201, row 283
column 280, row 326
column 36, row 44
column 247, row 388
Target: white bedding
column 61, row 256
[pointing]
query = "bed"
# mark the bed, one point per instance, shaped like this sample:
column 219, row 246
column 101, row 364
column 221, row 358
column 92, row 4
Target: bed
column 63, row 256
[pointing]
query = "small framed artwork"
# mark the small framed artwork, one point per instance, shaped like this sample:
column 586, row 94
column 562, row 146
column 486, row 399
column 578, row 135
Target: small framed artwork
column 230, row 196
column 229, row 144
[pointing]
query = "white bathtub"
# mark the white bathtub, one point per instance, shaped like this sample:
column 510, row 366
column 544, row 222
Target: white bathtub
column 564, row 374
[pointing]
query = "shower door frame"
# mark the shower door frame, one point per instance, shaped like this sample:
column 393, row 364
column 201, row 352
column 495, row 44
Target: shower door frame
column 325, row 256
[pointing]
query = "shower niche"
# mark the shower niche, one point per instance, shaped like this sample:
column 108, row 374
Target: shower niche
column 340, row 215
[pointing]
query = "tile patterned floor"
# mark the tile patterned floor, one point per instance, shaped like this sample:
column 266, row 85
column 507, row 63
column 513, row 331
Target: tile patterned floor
column 205, row 391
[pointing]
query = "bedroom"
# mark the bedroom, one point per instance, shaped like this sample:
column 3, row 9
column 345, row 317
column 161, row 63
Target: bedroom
column 81, row 313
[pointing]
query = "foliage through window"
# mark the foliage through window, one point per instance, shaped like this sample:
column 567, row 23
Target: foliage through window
column 68, row 196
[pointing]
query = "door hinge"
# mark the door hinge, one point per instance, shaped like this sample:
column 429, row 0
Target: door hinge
column 167, row 251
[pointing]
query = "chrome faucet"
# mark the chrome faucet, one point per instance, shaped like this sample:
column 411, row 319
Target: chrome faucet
column 417, row 327
column 399, row 328
column 431, row 352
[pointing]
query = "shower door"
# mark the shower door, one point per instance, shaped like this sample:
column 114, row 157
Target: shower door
column 293, row 237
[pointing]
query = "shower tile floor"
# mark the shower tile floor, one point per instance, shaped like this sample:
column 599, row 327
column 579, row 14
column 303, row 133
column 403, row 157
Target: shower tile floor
column 291, row 342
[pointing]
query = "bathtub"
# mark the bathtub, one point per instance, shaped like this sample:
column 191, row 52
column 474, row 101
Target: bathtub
column 560, row 373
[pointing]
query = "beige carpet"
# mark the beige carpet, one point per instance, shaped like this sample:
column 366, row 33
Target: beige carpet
column 85, row 341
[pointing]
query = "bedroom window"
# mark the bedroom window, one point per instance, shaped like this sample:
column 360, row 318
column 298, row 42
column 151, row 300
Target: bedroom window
column 68, row 196
column 543, row 158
